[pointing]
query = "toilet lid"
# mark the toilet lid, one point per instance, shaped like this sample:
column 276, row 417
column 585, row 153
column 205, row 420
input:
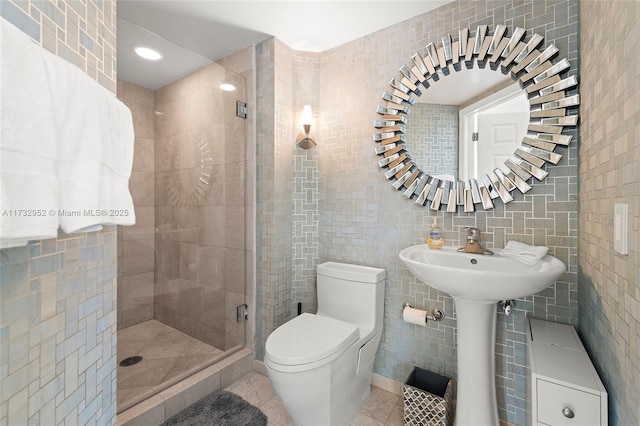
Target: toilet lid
column 308, row 338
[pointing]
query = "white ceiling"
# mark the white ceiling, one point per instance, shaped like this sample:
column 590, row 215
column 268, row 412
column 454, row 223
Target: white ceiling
column 190, row 33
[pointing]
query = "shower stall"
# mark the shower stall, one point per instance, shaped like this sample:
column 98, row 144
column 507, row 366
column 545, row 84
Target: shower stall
column 182, row 268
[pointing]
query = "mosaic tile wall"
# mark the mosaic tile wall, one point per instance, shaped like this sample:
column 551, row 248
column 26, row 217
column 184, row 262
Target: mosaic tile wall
column 610, row 173
column 306, row 196
column 274, row 185
column 305, row 230
column 136, row 243
column 432, row 137
column 58, row 296
column 287, row 187
column 363, row 220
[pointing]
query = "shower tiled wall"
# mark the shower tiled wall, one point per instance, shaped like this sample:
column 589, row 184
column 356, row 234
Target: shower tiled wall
column 200, row 206
column 362, row 219
column 610, row 173
column 136, row 243
column 58, row 296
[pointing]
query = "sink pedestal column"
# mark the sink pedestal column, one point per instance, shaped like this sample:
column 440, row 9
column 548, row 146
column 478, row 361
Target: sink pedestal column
column 476, row 401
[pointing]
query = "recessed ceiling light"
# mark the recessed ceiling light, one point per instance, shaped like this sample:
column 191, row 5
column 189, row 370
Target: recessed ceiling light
column 147, row 53
column 227, row 87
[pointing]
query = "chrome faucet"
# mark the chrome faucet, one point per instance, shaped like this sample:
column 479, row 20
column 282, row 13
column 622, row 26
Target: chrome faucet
column 473, row 242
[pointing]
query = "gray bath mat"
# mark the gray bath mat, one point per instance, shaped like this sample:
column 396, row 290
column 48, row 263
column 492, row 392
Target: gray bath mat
column 219, row 409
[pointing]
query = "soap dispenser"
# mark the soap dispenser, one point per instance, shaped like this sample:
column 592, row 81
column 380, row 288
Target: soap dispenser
column 435, row 241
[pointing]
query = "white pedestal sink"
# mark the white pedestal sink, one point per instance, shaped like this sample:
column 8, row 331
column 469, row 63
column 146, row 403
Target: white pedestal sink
column 477, row 283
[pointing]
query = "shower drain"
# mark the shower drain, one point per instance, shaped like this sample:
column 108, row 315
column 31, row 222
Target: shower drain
column 132, row 360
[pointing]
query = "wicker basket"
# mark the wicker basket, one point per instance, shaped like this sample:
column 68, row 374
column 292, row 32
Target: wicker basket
column 428, row 399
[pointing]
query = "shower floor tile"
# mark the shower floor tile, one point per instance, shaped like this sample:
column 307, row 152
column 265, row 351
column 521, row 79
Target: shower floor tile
column 166, row 353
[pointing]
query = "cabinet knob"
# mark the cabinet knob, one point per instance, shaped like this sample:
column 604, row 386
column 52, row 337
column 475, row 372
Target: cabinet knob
column 568, row 412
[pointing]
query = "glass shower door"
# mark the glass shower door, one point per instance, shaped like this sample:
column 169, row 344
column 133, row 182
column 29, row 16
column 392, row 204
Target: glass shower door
column 200, row 206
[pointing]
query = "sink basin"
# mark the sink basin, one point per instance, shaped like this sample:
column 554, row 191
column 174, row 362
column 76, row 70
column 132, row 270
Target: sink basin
column 480, row 278
column 477, row 282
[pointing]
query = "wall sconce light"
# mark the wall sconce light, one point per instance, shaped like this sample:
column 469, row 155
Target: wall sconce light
column 306, row 140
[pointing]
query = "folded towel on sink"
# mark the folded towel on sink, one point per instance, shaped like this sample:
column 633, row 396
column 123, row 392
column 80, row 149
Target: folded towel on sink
column 525, row 253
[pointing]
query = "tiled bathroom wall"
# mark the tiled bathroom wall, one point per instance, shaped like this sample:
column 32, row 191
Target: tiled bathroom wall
column 58, row 296
column 432, row 137
column 274, row 144
column 287, row 186
column 305, row 194
column 363, row 219
column 610, row 173
column 136, row 243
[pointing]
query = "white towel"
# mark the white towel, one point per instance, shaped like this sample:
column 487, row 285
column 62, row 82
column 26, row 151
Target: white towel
column 95, row 151
column 28, row 182
column 525, row 253
column 66, row 146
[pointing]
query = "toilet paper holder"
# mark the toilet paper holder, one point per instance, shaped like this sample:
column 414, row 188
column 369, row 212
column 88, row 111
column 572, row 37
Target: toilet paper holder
column 437, row 314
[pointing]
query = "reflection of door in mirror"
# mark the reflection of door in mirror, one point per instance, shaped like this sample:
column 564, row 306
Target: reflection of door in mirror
column 436, row 135
column 491, row 131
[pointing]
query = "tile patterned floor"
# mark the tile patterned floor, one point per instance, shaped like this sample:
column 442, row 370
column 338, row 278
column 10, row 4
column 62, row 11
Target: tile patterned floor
column 166, row 353
column 382, row 408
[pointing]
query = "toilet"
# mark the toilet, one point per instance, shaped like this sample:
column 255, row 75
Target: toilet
column 320, row 365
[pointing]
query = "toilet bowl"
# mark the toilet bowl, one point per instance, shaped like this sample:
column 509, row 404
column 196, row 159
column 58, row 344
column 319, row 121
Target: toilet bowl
column 320, row 365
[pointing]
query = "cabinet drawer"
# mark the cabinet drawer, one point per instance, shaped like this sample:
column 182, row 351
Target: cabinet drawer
column 554, row 398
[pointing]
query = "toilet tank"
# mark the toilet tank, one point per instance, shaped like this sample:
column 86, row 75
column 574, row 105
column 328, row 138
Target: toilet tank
column 352, row 293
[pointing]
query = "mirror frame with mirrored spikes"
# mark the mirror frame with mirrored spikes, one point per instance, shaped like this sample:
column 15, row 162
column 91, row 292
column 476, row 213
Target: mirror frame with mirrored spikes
column 538, row 75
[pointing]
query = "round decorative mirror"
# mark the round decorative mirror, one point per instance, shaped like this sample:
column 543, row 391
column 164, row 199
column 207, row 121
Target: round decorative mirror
column 459, row 138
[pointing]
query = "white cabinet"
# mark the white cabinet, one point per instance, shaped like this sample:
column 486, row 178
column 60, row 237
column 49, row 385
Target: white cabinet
column 565, row 387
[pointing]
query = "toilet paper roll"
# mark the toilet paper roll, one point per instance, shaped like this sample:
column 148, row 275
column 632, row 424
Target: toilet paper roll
column 414, row 316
